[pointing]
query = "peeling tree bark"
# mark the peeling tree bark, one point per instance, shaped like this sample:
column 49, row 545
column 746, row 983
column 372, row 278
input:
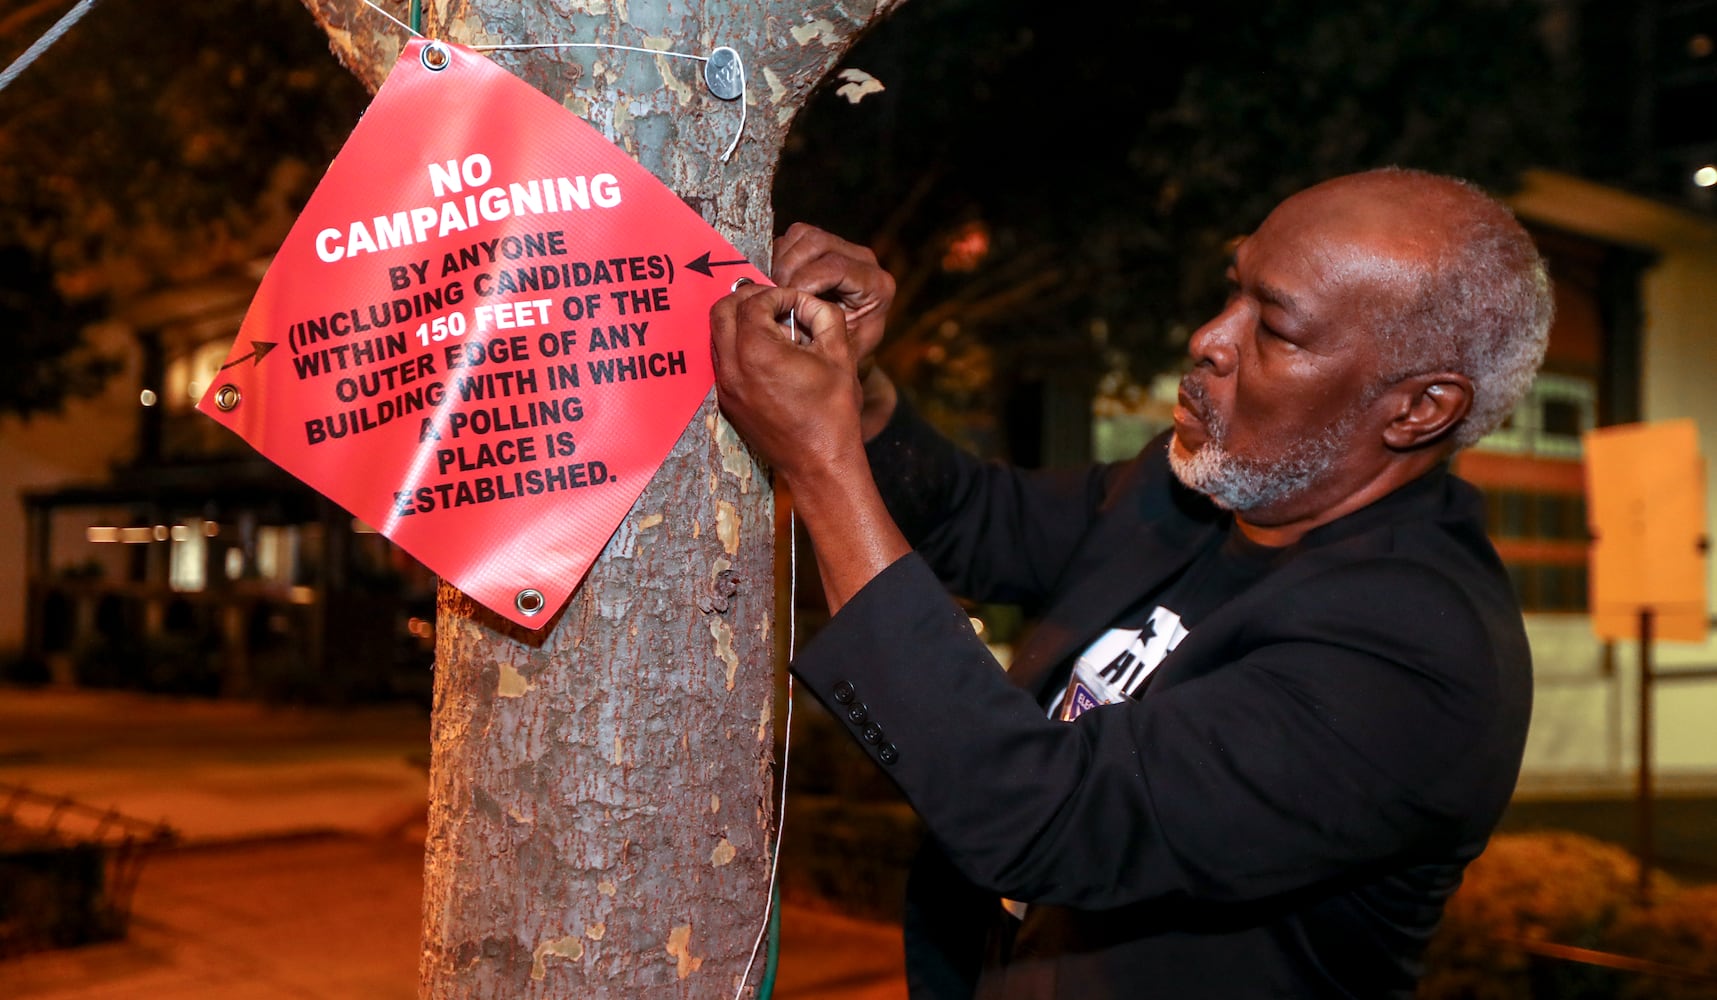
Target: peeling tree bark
column 600, row 793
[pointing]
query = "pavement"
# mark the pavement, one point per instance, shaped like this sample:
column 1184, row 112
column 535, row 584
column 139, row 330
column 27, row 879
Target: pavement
column 299, row 869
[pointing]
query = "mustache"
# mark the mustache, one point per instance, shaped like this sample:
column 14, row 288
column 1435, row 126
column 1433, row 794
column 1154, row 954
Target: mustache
column 1195, row 396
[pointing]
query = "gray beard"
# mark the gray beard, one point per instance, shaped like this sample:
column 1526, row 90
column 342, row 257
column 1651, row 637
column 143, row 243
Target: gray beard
column 1248, row 484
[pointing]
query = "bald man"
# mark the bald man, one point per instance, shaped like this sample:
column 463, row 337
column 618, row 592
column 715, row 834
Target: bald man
column 1278, row 693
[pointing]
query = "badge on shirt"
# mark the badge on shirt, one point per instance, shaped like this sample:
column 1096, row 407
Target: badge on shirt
column 1116, row 666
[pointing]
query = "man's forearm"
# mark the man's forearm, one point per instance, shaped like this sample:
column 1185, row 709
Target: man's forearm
column 850, row 529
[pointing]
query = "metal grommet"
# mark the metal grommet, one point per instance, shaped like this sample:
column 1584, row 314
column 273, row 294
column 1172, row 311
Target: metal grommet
column 739, row 283
column 530, row 601
column 436, row 57
column 723, row 74
column 227, row 398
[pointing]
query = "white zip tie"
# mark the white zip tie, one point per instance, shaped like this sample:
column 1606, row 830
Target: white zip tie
column 53, row 34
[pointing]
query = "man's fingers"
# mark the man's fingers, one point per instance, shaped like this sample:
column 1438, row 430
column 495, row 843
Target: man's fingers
column 825, row 274
column 810, row 258
column 794, row 315
column 802, row 242
column 724, row 314
column 724, row 317
column 770, row 313
column 820, row 324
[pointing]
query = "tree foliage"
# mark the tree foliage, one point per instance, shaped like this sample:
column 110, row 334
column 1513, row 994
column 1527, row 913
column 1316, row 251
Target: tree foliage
column 1107, row 153
column 152, row 145
column 40, row 371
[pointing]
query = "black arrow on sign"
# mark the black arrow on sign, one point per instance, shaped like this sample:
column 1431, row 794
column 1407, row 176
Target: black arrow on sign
column 703, row 264
column 259, row 350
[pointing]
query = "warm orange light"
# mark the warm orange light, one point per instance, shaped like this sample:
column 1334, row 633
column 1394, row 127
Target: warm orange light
column 968, row 247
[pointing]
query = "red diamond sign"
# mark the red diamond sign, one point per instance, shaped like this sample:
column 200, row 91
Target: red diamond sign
column 483, row 334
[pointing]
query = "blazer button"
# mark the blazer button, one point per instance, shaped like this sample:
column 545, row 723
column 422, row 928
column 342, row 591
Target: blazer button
column 888, row 753
column 844, row 692
column 859, row 714
column 873, row 734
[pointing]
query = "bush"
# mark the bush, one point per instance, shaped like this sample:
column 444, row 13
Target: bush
column 1567, row 889
column 1679, row 930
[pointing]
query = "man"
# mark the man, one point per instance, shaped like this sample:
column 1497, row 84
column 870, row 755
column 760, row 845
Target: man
column 1279, row 691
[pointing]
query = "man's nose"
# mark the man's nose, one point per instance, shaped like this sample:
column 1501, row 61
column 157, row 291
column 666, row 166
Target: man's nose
column 1214, row 345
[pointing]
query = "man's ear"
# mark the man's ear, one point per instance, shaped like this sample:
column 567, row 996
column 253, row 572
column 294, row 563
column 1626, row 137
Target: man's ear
column 1426, row 408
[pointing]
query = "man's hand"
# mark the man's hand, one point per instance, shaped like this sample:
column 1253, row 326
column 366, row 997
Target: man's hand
column 844, row 273
column 848, row 275
column 785, row 377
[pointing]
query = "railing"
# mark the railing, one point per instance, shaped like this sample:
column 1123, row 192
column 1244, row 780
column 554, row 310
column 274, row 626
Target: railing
column 39, row 823
column 1650, row 677
column 1552, row 962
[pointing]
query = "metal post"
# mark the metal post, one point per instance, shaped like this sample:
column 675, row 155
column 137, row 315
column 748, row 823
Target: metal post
column 1643, row 814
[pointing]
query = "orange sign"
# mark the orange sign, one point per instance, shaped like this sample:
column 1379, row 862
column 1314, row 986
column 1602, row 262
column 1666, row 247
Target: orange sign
column 483, row 334
column 1645, row 485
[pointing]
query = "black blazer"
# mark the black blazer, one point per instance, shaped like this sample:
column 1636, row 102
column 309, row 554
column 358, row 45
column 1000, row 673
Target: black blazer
column 1285, row 810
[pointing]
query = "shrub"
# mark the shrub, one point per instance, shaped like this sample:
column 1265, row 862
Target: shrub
column 1568, row 889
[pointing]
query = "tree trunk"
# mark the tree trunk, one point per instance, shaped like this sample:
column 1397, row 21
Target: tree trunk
column 600, row 792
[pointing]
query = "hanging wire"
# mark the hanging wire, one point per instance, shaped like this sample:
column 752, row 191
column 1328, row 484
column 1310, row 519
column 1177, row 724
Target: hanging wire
column 42, row 44
column 528, row 46
column 416, row 15
column 772, row 908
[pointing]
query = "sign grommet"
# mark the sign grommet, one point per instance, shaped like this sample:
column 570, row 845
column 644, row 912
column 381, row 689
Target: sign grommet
column 530, row 601
column 436, row 57
column 227, row 398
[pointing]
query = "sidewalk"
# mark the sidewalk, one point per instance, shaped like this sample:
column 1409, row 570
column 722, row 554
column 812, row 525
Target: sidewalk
column 300, row 873
column 220, row 770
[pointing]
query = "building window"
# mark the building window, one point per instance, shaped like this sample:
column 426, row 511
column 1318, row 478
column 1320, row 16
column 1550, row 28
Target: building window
column 1535, row 493
column 1549, row 421
column 189, row 374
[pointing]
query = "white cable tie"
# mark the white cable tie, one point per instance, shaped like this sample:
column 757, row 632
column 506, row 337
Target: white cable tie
column 526, row 46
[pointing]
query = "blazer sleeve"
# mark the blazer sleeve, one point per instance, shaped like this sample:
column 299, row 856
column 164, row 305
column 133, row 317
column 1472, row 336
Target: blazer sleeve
column 951, row 507
column 1338, row 736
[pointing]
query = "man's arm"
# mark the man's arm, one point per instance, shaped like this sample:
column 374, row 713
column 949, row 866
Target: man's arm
column 791, row 391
